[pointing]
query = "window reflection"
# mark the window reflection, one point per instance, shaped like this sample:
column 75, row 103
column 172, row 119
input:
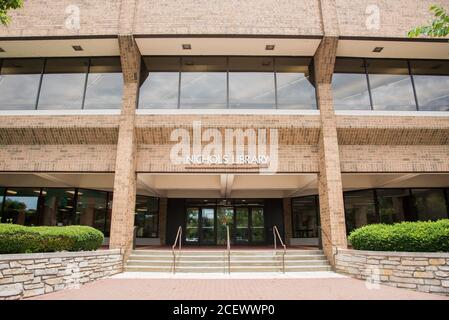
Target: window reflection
column 160, row 88
column 394, row 205
column 21, row 205
column 251, row 83
column 360, row 209
column 294, row 87
column 146, row 217
column 391, row 85
column 430, row 204
column 432, row 84
column 91, row 209
column 305, row 217
column 58, row 208
column 104, row 84
column 19, row 83
column 350, row 85
column 203, row 83
column 63, row 83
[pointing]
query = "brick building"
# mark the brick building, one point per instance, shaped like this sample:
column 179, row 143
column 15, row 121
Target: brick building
column 95, row 96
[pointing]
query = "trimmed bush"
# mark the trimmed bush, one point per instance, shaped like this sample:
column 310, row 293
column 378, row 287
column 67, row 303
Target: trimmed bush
column 20, row 239
column 405, row 236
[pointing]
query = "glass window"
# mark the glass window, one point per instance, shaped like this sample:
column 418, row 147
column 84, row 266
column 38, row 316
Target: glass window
column 360, row 209
column 430, row 204
column 2, row 195
column 63, row 83
column 58, row 207
column 305, row 217
column 19, row 83
column 432, row 84
column 394, row 205
column 391, row 85
column 146, row 217
column 21, row 206
column 91, row 209
column 104, row 84
column 294, row 87
column 350, row 85
column 251, row 83
column 160, row 88
column 203, row 83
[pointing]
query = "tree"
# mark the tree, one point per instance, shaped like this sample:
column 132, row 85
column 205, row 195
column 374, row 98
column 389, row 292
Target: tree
column 439, row 27
column 5, row 6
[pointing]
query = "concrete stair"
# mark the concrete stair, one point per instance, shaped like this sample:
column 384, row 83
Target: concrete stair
column 216, row 261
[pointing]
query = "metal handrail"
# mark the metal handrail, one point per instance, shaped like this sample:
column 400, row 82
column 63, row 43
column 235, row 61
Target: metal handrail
column 334, row 247
column 228, row 245
column 178, row 237
column 276, row 233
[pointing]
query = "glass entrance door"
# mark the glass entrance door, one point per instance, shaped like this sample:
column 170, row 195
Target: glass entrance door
column 249, row 225
column 207, row 235
column 257, row 225
column 225, row 217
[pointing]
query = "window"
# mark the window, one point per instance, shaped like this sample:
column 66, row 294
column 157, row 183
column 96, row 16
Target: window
column 360, row 209
column 58, row 207
column 92, row 210
column 394, row 205
column 294, row 87
column 203, row 83
column 19, row 83
column 305, row 217
column 104, row 84
column 251, row 83
column 160, row 88
column 146, row 217
column 63, row 83
column 21, row 206
column 430, row 204
column 431, row 80
column 350, row 85
column 391, row 85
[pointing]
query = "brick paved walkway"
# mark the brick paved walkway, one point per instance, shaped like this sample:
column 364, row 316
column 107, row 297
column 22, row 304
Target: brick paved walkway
column 236, row 289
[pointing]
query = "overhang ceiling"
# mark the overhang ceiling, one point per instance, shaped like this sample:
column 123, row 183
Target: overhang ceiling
column 59, row 48
column 394, row 49
column 228, row 46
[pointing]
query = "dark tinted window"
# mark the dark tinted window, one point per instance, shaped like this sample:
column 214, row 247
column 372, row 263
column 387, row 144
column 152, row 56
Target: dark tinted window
column 360, row 209
column 305, row 217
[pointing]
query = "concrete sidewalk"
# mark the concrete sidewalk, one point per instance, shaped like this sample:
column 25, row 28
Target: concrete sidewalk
column 327, row 286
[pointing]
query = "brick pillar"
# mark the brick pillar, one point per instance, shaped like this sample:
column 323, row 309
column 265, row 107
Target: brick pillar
column 287, row 205
column 162, row 219
column 124, row 202
column 330, row 189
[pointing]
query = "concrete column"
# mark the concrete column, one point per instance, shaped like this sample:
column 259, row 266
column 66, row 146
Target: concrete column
column 330, row 189
column 287, row 205
column 124, row 201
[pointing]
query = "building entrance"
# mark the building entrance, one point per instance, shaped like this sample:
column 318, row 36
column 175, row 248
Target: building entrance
column 206, row 222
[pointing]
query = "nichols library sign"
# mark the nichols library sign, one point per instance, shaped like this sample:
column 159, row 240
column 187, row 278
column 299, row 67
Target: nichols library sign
column 212, row 146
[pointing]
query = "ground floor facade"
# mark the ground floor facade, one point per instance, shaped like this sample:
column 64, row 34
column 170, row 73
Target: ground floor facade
column 204, row 218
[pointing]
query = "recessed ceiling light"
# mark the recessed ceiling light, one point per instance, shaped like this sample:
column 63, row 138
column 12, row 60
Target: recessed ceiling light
column 378, row 49
column 186, row 46
column 269, row 47
column 77, row 48
column 2, row 50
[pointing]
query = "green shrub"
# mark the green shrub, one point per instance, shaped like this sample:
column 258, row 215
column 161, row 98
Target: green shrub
column 405, row 236
column 20, row 239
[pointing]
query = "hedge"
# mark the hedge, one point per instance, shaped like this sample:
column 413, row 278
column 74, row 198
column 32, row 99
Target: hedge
column 20, row 239
column 405, row 236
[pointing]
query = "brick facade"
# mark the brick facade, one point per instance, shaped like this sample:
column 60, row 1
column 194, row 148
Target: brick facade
column 324, row 142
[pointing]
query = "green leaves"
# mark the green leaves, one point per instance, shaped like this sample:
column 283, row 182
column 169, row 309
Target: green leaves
column 423, row 236
column 20, row 239
column 439, row 27
column 5, row 6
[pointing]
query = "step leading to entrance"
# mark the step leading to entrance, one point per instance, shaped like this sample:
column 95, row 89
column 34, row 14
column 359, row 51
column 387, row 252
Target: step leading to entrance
column 216, row 261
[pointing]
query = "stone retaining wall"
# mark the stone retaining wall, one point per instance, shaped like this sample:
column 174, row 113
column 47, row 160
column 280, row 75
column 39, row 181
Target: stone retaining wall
column 27, row 275
column 425, row 272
